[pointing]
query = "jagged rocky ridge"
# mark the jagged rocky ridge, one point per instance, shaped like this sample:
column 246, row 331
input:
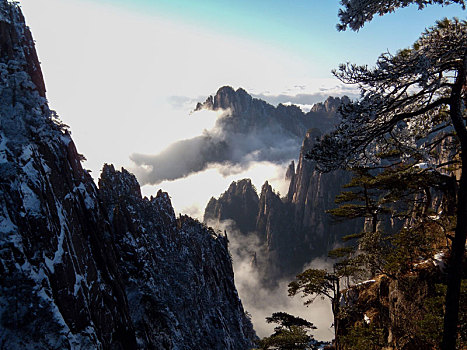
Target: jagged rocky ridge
column 249, row 114
column 294, row 229
column 89, row 268
column 177, row 273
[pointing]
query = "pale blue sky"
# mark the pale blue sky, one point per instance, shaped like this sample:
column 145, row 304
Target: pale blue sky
column 303, row 27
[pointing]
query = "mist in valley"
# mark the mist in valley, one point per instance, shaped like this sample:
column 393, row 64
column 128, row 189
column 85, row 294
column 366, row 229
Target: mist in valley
column 261, row 296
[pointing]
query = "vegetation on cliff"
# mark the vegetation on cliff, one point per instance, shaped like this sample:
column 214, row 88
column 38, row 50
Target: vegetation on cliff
column 406, row 141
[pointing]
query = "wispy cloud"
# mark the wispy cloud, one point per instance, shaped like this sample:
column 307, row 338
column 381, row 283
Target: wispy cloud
column 223, row 147
column 296, row 95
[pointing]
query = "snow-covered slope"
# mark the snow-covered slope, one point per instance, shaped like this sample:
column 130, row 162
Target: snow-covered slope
column 177, row 272
column 70, row 276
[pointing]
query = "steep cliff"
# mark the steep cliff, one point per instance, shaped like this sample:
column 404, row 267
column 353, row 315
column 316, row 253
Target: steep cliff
column 60, row 287
column 294, row 229
column 82, row 268
column 297, row 227
column 311, row 194
column 177, row 273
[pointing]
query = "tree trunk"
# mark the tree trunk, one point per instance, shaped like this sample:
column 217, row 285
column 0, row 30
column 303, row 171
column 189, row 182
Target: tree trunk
column 335, row 311
column 455, row 266
column 455, row 262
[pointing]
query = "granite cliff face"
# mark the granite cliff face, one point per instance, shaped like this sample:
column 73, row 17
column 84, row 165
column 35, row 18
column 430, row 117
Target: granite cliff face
column 311, row 194
column 89, row 268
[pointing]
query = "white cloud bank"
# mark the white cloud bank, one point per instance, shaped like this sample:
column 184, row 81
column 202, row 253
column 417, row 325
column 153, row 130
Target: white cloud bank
column 124, row 81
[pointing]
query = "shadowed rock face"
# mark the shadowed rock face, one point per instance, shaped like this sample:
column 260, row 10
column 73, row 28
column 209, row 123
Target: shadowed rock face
column 239, row 202
column 310, row 195
column 177, row 273
column 294, row 229
column 88, row 268
column 250, row 115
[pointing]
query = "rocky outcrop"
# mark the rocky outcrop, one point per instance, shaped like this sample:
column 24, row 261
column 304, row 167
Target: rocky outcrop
column 294, row 229
column 177, row 273
column 271, row 219
column 239, row 204
column 290, row 176
column 82, row 268
column 402, row 313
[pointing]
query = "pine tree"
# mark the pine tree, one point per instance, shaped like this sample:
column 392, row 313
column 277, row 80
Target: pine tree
column 291, row 333
column 402, row 195
column 356, row 13
column 313, row 283
column 409, row 100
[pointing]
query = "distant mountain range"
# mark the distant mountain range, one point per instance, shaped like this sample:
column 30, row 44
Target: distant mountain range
column 249, row 130
column 248, row 114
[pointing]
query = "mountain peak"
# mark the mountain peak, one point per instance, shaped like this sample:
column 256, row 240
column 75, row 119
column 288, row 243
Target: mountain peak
column 238, row 203
column 330, row 105
column 227, row 98
column 17, row 48
column 120, row 183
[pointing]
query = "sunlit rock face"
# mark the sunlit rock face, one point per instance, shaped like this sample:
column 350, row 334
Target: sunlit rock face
column 82, row 268
column 397, row 307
